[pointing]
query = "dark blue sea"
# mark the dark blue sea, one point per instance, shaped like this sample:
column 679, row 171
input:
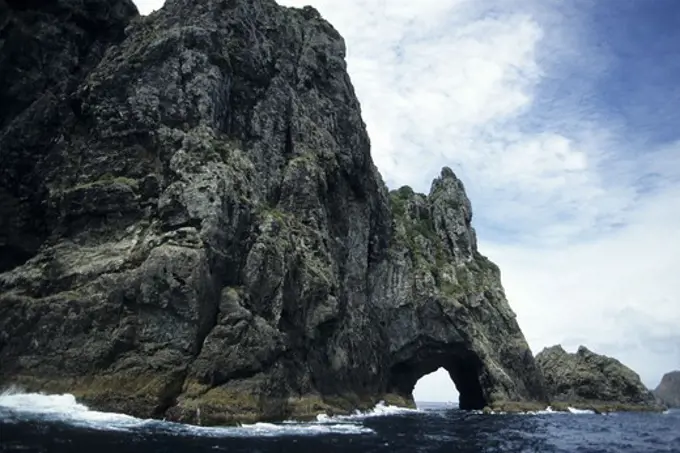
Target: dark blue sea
column 57, row 423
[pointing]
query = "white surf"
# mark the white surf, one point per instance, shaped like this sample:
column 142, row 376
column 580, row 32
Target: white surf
column 17, row 406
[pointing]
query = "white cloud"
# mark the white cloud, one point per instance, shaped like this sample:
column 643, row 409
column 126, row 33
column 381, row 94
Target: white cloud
column 615, row 293
column 444, row 83
column 587, row 255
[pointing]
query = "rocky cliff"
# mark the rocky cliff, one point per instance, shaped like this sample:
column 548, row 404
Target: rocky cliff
column 190, row 219
column 668, row 390
column 591, row 381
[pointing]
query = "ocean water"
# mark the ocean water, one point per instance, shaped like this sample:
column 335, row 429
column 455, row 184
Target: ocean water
column 58, row 423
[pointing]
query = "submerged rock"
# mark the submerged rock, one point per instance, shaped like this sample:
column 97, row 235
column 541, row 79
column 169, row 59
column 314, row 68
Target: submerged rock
column 191, row 223
column 586, row 380
column 668, row 390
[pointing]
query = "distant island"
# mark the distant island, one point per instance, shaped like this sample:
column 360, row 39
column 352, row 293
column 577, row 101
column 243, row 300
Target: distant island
column 586, row 380
column 668, row 390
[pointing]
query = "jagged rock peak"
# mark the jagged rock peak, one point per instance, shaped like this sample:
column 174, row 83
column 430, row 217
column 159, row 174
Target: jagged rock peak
column 191, row 219
column 589, row 380
column 447, row 177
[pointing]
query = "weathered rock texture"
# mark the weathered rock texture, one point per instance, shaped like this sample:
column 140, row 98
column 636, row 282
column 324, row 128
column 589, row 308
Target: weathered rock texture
column 190, row 218
column 668, row 390
column 591, row 381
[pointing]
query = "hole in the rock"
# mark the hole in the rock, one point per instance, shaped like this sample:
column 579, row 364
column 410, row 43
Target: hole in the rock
column 435, row 388
column 464, row 370
column 148, row 6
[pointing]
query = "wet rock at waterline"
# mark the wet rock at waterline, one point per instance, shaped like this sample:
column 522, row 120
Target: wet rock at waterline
column 586, row 380
column 190, row 220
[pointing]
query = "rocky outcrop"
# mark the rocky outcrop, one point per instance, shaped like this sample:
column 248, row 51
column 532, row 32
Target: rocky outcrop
column 587, row 380
column 668, row 390
column 191, row 219
column 437, row 293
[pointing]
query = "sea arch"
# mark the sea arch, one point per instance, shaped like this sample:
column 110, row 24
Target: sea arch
column 464, row 367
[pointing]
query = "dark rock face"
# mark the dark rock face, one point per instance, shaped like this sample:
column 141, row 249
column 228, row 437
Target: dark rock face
column 668, row 390
column 588, row 380
column 47, row 49
column 191, row 219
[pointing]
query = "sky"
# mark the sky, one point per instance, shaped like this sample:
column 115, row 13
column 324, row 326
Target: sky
column 562, row 119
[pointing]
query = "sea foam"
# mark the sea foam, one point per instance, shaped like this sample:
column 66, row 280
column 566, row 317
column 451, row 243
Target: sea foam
column 17, row 406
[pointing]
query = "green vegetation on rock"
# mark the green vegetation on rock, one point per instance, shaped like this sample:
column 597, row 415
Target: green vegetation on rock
column 238, row 254
column 106, row 179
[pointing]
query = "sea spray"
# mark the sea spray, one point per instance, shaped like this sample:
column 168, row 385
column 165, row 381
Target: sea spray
column 17, row 406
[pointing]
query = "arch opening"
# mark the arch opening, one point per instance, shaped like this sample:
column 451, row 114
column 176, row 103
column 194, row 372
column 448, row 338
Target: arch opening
column 463, row 369
column 147, row 7
column 435, row 388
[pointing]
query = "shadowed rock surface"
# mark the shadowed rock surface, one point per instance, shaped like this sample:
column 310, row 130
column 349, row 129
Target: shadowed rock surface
column 47, row 49
column 668, row 390
column 592, row 381
column 190, row 219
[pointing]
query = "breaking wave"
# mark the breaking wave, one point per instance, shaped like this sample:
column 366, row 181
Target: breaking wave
column 580, row 411
column 380, row 410
column 17, row 407
column 547, row 411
